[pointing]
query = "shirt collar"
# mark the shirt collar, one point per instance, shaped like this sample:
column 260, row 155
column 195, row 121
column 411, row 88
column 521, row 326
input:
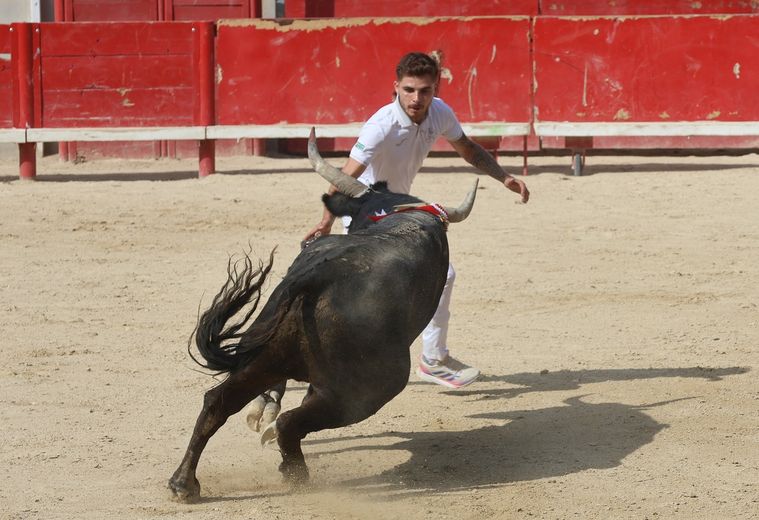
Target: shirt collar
column 402, row 116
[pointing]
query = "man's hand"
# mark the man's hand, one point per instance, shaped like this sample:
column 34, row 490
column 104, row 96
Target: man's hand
column 519, row 187
column 321, row 229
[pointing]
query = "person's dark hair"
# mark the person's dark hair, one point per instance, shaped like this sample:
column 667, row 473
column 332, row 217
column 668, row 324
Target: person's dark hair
column 417, row 65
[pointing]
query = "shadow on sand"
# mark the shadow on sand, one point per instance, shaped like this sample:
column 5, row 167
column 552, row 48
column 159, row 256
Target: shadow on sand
column 526, row 444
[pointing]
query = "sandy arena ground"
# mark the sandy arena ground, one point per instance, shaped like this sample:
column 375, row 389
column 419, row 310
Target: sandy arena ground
column 615, row 318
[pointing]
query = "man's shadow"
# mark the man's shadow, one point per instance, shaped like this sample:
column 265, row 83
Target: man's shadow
column 524, row 445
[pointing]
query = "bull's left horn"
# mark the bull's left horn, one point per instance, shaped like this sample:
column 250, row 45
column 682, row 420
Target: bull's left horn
column 462, row 212
column 343, row 182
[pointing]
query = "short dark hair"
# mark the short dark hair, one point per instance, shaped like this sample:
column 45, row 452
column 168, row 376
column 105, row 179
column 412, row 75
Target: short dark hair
column 417, row 65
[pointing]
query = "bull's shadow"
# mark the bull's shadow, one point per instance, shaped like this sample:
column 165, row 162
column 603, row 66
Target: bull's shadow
column 563, row 380
column 524, row 445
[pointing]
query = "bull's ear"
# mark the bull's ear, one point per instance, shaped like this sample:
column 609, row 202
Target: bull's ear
column 341, row 205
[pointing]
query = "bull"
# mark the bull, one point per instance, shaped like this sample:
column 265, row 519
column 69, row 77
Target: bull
column 342, row 319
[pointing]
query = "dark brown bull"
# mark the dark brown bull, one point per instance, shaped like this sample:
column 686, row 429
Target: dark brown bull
column 342, row 319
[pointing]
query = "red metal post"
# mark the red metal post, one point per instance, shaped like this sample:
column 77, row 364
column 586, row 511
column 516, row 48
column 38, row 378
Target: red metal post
column 27, row 154
column 59, row 10
column 60, row 16
column 204, row 34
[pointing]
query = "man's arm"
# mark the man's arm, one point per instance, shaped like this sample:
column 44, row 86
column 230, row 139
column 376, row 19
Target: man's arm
column 324, row 227
column 478, row 157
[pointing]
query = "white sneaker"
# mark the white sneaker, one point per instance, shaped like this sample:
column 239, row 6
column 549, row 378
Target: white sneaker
column 449, row 372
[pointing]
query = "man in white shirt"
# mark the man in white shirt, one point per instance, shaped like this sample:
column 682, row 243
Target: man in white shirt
column 391, row 147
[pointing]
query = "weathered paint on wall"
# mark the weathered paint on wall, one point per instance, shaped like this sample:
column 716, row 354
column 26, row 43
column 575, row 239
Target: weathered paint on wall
column 633, row 69
column 340, row 71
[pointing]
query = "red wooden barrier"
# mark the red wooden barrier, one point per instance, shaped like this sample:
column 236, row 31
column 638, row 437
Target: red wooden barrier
column 211, row 9
column 646, row 7
column 107, row 10
column 394, row 8
column 139, row 75
column 649, row 69
column 6, row 78
column 340, row 71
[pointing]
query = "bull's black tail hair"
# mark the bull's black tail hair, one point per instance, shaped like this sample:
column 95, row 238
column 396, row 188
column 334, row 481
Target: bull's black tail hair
column 217, row 342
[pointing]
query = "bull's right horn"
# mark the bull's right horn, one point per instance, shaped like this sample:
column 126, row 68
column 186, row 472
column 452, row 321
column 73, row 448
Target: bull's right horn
column 462, row 212
column 340, row 180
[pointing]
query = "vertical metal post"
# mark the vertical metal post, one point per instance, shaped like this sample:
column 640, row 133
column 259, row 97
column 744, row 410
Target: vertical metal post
column 60, row 16
column 206, row 114
column 524, row 155
column 27, row 152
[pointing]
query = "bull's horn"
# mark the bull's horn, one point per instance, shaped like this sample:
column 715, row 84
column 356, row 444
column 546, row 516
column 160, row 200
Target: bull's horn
column 343, row 182
column 462, row 212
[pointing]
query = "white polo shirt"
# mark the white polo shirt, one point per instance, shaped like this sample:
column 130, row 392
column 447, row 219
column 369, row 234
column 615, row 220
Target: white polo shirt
column 393, row 147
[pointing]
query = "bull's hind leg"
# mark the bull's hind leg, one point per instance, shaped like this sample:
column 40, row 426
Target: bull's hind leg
column 323, row 409
column 264, row 409
column 219, row 404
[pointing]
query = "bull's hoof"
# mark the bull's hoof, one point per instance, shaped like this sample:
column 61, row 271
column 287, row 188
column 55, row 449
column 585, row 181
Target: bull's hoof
column 184, row 492
column 255, row 411
column 296, row 474
column 269, row 435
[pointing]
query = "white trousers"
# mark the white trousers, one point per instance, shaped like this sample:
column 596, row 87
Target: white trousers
column 435, row 335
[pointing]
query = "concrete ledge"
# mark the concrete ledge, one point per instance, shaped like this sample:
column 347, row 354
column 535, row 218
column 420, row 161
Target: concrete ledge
column 13, row 135
column 496, row 129
column 284, row 131
column 41, row 135
column 280, row 131
column 647, row 129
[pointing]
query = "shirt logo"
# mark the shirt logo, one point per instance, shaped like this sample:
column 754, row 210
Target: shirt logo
column 359, row 145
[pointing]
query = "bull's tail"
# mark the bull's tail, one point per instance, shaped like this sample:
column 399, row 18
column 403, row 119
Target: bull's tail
column 217, row 341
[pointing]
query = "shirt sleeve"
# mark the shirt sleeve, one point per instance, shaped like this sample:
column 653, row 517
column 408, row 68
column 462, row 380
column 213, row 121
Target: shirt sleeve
column 369, row 141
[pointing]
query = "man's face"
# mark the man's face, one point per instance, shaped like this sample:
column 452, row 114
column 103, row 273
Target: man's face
column 415, row 95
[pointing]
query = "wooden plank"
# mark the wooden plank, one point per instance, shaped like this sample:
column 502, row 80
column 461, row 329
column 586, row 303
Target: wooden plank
column 115, row 134
column 341, row 71
column 121, row 107
column 354, row 8
column 114, row 39
column 113, row 10
column 690, row 128
column 347, row 130
column 208, row 12
column 647, row 69
column 116, row 72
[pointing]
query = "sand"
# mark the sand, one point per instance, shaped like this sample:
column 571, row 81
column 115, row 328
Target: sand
column 615, row 319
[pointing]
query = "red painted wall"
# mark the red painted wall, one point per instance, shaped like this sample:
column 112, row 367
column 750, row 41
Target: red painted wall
column 211, row 9
column 341, row 71
column 110, row 10
column 140, row 75
column 645, row 7
column 699, row 68
column 403, row 8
